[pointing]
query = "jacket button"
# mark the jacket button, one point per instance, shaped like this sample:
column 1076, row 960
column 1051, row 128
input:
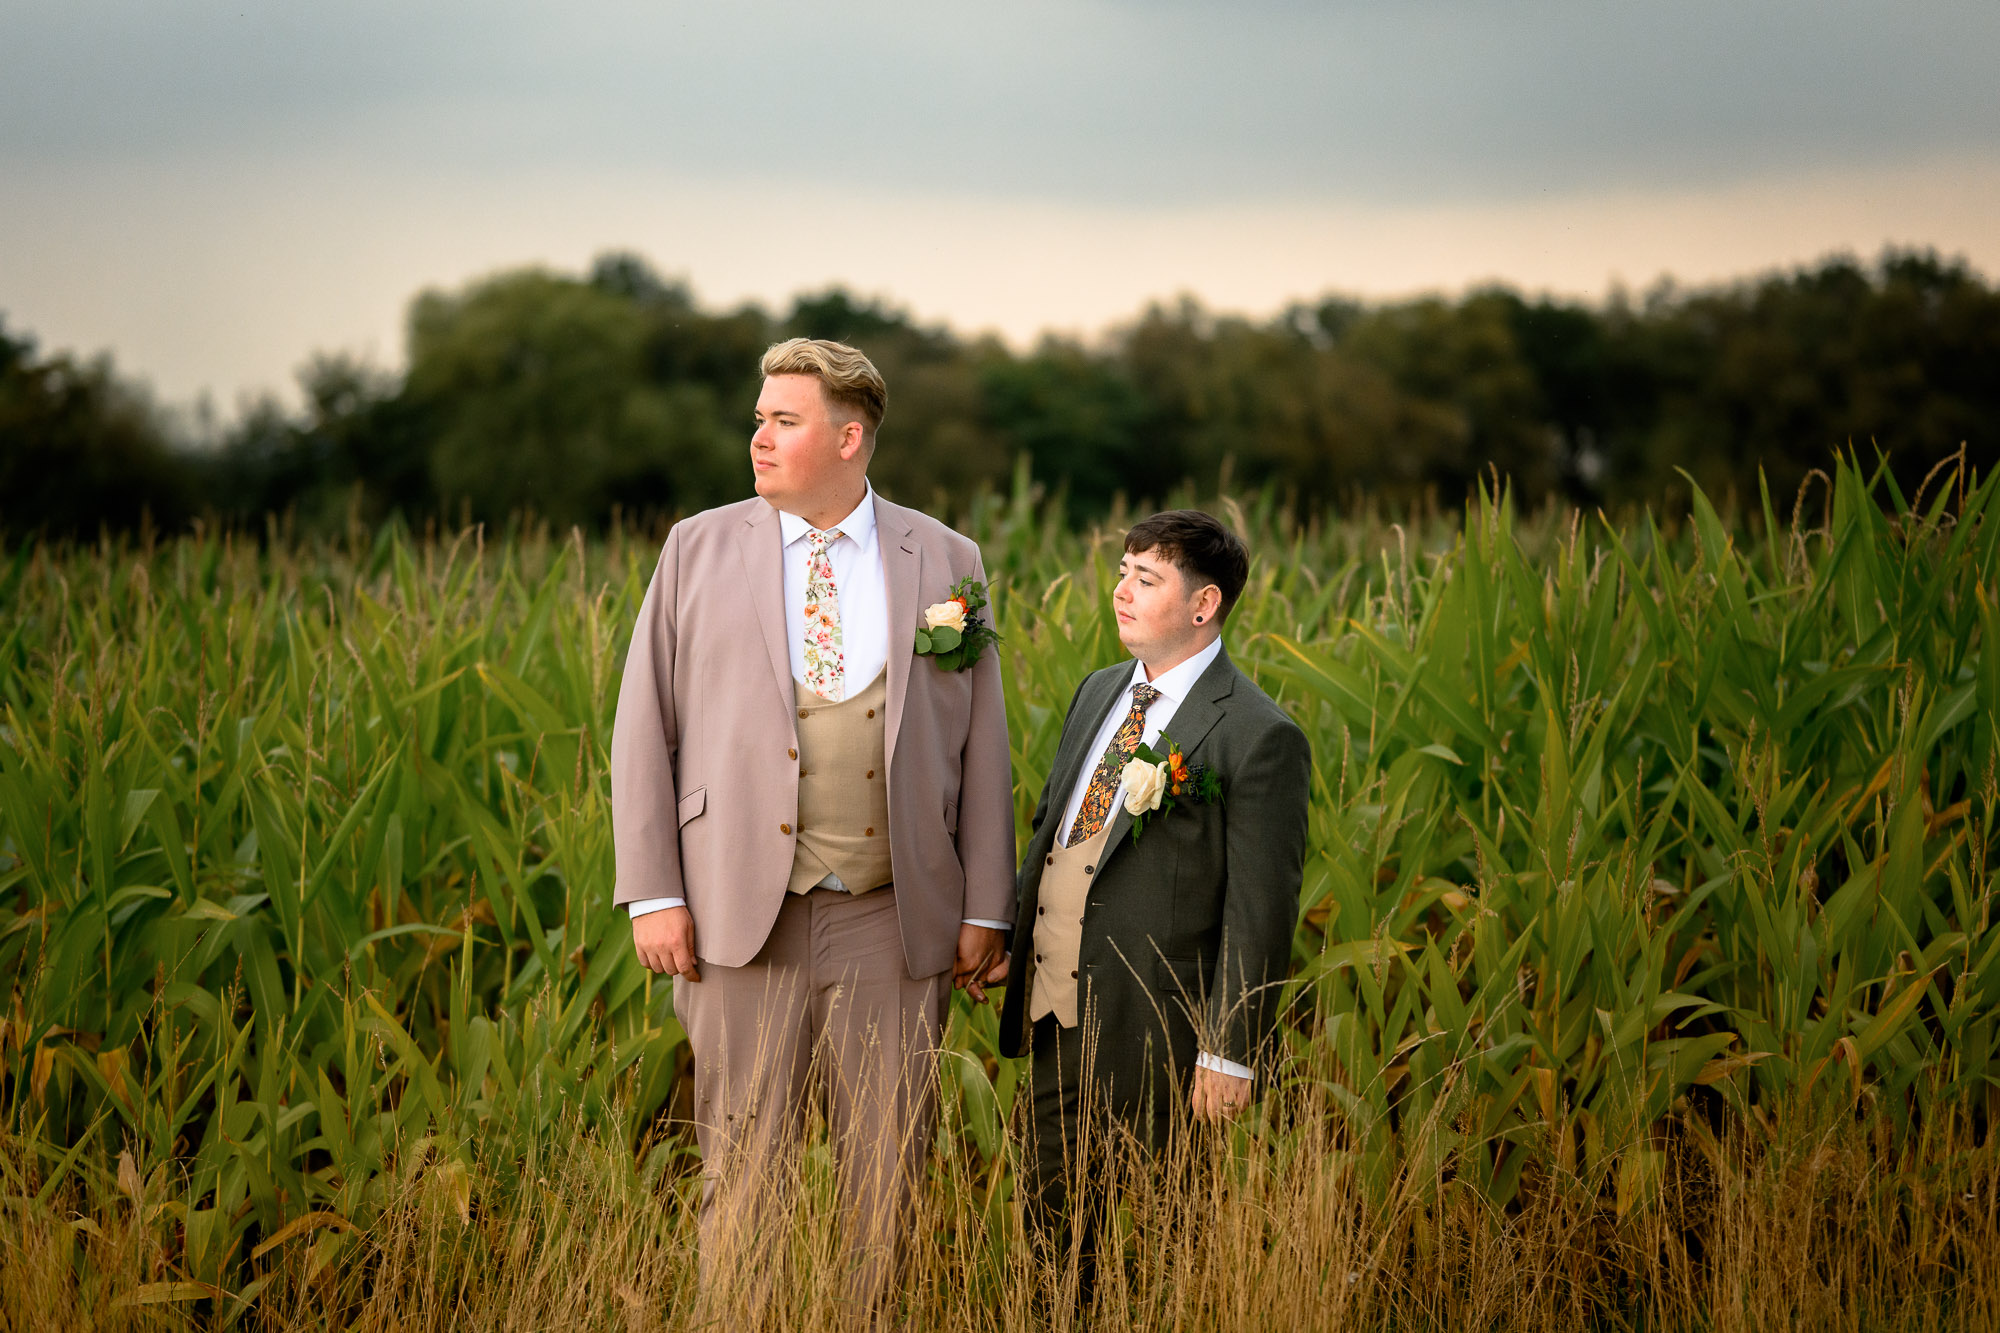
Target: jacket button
column 791, row 754
column 784, row 828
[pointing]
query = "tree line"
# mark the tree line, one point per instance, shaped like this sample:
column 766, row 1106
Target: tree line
column 576, row 397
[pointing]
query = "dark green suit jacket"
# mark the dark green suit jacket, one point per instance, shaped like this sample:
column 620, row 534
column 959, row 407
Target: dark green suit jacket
column 1186, row 933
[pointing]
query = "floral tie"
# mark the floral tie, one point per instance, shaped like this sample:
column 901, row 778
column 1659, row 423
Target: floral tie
column 825, row 663
column 1096, row 805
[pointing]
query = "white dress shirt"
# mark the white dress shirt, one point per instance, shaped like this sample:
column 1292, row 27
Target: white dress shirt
column 856, row 558
column 1173, row 686
column 863, row 589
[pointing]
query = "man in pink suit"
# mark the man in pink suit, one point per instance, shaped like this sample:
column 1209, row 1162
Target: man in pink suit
column 814, row 825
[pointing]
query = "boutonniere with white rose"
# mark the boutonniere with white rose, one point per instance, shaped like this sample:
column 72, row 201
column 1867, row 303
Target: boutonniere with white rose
column 1154, row 777
column 953, row 634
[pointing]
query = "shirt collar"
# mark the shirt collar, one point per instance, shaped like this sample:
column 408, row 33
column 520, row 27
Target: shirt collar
column 859, row 525
column 1175, row 684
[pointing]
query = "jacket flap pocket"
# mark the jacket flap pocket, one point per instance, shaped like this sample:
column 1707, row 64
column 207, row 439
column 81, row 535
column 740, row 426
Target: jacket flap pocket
column 951, row 817
column 693, row 804
column 1180, row 976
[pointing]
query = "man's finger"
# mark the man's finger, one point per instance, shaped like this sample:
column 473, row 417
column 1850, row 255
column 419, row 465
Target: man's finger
column 683, row 961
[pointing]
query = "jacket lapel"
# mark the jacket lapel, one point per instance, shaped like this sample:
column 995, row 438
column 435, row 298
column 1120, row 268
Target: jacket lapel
column 902, row 575
column 1073, row 753
column 1203, row 707
column 1192, row 721
column 763, row 552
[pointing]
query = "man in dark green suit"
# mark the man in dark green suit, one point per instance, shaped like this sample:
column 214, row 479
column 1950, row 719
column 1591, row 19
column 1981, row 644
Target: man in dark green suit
column 1145, row 972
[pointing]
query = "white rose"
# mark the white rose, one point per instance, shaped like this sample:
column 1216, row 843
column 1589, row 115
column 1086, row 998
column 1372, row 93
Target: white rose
column 1145, row 784
column 945, row 615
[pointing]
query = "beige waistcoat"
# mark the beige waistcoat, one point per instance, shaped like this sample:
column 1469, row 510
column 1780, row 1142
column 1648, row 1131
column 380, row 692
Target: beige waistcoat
column 1058, row 927
column 843, row 790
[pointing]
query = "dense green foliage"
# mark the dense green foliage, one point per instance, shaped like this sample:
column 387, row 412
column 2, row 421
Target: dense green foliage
column 80, row 450
column 574, row 397
column 305, row 858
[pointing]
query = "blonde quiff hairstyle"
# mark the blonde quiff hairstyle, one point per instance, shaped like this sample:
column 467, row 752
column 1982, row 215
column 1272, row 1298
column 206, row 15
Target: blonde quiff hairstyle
column 845, row 374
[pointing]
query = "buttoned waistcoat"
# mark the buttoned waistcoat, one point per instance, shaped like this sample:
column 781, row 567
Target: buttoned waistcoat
column 704, row 752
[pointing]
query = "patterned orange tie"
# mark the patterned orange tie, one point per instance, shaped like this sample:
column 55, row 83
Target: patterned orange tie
column 826, row 662
column 1090, row 816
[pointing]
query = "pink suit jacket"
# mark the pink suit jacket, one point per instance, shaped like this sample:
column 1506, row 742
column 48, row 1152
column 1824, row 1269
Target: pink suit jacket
column 704, row 773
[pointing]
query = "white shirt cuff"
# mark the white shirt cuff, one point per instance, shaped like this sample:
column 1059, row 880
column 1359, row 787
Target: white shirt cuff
column 645, row 905
column 1222, row 1066
column 990, row 925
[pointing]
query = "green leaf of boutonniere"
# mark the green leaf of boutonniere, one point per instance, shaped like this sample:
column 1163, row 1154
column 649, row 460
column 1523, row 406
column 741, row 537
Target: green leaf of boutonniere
column 923, row 641
column 944, row 638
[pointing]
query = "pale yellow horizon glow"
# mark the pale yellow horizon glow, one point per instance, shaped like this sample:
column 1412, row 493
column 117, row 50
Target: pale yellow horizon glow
column 224, row 280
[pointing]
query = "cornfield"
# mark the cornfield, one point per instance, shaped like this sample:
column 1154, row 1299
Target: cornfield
column 1646, row 971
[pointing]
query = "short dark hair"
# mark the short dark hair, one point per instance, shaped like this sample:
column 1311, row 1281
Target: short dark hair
column 1199, row 546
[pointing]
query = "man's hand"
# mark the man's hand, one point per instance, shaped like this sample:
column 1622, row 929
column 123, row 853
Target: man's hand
column 979, row 949
column 1218, row 1096
column 664, row 941
column 996, row 975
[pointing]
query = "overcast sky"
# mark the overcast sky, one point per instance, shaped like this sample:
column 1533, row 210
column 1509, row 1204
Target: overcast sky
column 213, row 191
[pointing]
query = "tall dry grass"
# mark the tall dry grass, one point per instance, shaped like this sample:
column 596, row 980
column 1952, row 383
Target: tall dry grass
column 1756, row 1226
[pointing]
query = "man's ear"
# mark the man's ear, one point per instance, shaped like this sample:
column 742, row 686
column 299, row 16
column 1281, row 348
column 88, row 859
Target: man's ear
column 853, row 441
column 1206, row 603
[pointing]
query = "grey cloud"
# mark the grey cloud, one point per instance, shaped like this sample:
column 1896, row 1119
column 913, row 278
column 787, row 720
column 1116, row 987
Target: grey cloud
column 1110, row 102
